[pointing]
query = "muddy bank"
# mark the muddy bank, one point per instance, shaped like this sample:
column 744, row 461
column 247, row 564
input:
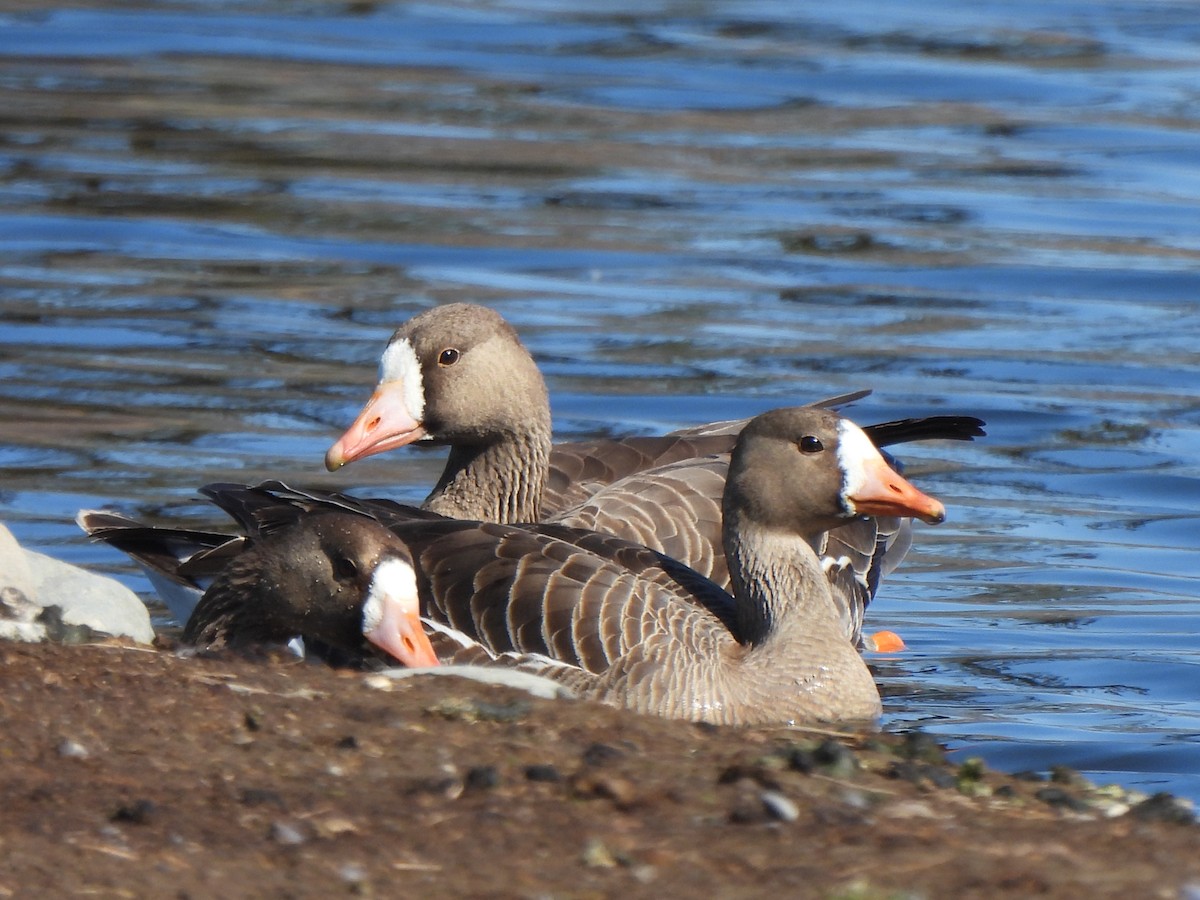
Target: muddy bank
column 133, row 772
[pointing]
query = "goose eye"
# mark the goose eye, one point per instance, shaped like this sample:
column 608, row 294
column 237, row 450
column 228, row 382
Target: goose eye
column 448, row 357
column 345, row 569
column 810, row 444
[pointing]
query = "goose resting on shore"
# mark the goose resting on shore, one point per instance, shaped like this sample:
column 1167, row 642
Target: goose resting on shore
column 612, row 620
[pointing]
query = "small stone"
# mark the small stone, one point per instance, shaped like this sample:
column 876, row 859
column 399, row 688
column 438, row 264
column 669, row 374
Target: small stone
column 751, row 772
column 1069, row 777
column 621, row 791
column 481, row 778
column 856, row 799
column 287, row 834
column 449, row 787
column 836, row 759
column 779, row 807
column 543, row 772
column 802, row 759
column 922, row 774
column 1162, row 807
column 748, row 810
column 600, row 754
column 919, row 745
column 644, row 873
column 137, row 813
column 972, row 769
column 597, row 856
column 71, row 749
column 970, row 779
column 334, row 826
column 1062, row 798
column 380, row 682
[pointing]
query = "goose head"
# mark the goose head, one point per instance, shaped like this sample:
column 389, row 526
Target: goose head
column 331, row 577
column 455, row 374
column 810, row 469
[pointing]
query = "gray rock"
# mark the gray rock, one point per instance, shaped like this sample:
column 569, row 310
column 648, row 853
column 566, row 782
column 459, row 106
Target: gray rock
column 82, row 598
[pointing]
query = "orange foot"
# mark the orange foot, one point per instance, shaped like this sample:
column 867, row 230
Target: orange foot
column 885, row 642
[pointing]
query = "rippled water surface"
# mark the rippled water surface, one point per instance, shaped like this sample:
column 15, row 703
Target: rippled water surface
column 213, row 214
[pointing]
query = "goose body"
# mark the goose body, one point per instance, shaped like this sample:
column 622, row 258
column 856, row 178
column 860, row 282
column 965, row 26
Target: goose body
column 626, row 625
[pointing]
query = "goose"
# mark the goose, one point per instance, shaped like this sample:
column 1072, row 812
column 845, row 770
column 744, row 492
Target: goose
column 332, row 577
column 626, row 625
column 459, row 375
column 181, row 563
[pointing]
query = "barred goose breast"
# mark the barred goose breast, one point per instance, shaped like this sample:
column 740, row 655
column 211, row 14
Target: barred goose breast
column 626, row 625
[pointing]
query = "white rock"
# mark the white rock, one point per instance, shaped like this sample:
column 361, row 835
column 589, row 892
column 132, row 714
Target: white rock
column 85, row 598
column 14, row 568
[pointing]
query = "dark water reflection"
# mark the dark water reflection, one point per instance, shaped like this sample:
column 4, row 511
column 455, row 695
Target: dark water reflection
column 212, row 215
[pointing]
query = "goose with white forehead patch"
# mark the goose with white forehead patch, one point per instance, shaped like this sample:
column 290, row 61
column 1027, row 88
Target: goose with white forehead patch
column 620, row 623
column 330, row 577
column 459, row 375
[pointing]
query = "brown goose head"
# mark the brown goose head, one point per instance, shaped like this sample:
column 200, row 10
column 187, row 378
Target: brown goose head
column 809, row 470
column 331, row 577
column 455, row 374
column 795, row 473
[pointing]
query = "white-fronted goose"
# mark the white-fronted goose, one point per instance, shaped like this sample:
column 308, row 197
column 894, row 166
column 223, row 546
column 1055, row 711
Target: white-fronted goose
column 331, row 577
column 626, row 625
column 182, row 563
column 459, row 375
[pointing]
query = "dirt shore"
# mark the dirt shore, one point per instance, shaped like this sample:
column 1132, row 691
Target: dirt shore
column 139, row 773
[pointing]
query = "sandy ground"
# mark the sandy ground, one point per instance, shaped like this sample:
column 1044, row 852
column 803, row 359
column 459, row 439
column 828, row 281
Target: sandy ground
column 140, row 773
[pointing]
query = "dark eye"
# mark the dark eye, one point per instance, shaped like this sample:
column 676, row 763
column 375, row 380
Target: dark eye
column 448, row 357
column 810, row 444
column 345, row 569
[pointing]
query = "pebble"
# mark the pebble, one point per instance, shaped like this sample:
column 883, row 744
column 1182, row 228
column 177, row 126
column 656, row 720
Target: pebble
column 545, row 773
column 137, row 813
column 287, row 834
column 597, row 856
column 481, row 778
column 779, row 807
column 835, row 759
column 71, row 749
column 621, row 791
column 1062, row 798
column 600, row 754
column 1162, row 807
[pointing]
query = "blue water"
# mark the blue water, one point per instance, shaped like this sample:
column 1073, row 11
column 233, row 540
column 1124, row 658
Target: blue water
column 213, row 215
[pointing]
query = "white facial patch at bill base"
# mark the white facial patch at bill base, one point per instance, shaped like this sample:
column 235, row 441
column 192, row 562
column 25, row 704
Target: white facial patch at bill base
column 394, row 582
column 855, row 450
column 399, row 363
